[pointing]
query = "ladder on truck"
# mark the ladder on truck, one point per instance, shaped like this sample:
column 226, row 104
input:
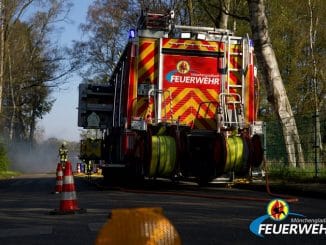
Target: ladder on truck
column 232, row 96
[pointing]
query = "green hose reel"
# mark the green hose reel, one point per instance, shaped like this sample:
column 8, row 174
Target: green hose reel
column 163, row 157
column 235, row 154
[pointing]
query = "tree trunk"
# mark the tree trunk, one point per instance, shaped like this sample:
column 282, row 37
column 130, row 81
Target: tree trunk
column 224, row 17
column 318, row 144
column 276, row 93
column 191, row 12
column 32, row 129
column 2, row 53
column 12, row 97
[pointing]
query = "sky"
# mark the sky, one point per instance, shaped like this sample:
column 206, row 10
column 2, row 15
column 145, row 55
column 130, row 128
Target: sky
column 61, row 121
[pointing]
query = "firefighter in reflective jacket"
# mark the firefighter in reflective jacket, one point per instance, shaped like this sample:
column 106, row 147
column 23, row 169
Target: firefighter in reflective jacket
column 63, row 154
column 89, row 166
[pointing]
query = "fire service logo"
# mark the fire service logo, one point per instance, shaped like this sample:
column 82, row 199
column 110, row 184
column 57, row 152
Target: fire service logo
column 280, row 221
column 183, row 67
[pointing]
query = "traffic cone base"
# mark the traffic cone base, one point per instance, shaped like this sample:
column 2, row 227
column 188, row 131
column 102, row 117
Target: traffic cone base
column 59, row 212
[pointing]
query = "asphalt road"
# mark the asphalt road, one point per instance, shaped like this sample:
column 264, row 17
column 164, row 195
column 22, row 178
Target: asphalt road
column 210, row 215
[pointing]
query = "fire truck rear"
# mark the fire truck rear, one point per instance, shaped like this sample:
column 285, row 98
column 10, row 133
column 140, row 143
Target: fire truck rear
column 181, row 102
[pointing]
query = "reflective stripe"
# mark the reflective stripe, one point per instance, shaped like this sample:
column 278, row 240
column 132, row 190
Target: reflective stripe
column 68, row 196
column 68, row 179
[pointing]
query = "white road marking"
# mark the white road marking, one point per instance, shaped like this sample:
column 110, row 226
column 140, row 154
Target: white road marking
column 28, row 231
column 95, row 226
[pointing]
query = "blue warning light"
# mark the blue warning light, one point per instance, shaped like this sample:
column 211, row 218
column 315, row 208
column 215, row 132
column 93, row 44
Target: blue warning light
column 132, row 33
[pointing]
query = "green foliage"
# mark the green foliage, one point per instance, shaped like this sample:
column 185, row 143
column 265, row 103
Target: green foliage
column 26, row 92
column 290, row 24
column 4, row 161
column 279, row 172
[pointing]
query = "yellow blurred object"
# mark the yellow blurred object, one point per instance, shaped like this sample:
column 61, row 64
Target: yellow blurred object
column 91, row 148
column 137, row 226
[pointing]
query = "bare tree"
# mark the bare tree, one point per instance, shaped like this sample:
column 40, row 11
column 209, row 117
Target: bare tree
column 107, row 25
column 10, row 12
column 31, row 63
column 273, row 81
column 224, row 17
column 190, row 8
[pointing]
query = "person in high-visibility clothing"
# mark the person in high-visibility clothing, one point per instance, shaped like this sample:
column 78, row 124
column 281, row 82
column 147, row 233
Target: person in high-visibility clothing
column 89, row 166
column 63, row 154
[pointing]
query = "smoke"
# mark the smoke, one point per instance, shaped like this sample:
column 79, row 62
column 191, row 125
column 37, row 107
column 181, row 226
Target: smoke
column 41, row 158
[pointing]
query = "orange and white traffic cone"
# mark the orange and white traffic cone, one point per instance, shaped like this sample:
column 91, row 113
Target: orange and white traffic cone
column 68, row 202
column 78, row 168
column 59, row 179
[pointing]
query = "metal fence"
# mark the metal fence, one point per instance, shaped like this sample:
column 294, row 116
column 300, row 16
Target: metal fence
column 312, row 132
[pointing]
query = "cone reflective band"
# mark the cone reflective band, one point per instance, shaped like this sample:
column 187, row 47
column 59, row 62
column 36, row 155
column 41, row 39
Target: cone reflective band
column 59, row 181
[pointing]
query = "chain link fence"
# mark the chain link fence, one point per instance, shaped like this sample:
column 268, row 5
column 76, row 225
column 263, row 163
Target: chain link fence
column 312, row 132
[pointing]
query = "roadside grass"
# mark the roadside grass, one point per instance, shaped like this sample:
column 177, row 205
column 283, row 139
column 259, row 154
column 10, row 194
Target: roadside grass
column 8, row 174
column 283, row 173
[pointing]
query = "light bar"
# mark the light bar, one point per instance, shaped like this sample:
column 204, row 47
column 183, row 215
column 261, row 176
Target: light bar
column 185, row 35
column 201, row 36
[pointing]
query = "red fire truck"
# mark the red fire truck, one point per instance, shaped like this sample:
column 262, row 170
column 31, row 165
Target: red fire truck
column 181, row 102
